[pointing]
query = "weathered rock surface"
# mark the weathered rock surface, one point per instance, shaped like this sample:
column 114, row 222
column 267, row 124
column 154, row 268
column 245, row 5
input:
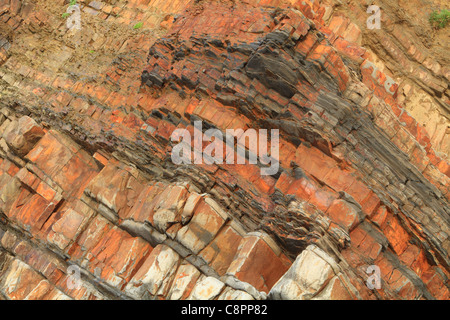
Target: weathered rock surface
column 86, row 177
column 309, row 274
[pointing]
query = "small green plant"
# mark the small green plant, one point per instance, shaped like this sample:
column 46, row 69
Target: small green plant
column 138, row 25
column 440, row 19
column 92, row 51
column 71, row 3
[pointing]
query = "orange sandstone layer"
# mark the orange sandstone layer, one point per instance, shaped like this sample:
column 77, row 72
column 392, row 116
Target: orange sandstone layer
column 87, row 177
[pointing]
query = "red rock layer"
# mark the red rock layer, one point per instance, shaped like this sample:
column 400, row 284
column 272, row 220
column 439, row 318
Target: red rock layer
column 87, row 177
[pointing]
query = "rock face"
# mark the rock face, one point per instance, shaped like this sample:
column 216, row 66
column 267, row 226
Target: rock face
column 87, row 183
column 310, row 273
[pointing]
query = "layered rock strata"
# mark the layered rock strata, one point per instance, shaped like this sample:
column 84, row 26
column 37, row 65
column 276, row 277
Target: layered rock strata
column 87, row 178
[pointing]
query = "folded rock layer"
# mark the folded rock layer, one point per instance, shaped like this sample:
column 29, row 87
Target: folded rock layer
column 93, row 207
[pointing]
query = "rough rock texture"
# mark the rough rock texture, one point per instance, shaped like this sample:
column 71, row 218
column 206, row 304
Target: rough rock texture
column 87, row 179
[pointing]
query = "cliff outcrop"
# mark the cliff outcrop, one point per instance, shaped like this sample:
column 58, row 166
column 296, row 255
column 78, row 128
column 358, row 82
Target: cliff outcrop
column 88, row 183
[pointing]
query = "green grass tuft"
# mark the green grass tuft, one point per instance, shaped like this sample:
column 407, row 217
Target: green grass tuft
column 440, row 20
column 138, row 25
column 71, row 3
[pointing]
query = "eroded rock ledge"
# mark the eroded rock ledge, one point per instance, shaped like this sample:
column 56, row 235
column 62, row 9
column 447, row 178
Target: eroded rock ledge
column 87, row 180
